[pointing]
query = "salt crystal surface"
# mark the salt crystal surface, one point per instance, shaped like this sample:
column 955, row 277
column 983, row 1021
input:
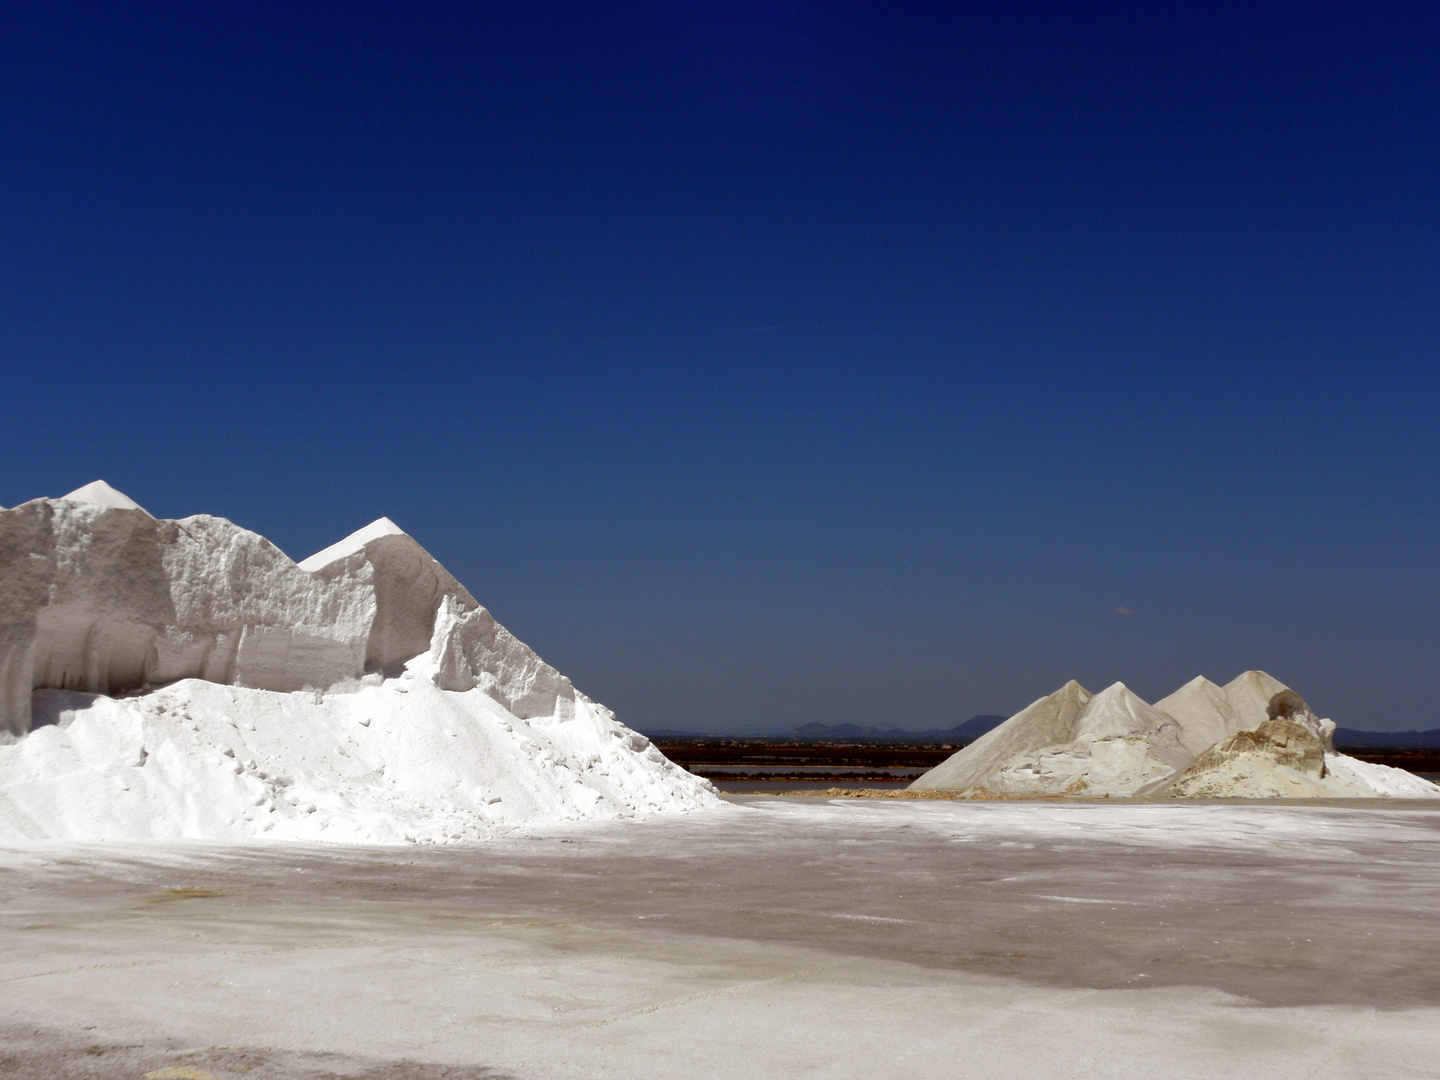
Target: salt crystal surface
column 99, row 493
column 363, row 697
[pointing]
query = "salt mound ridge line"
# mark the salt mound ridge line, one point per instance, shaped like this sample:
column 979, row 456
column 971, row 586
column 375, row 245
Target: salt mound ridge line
column 362, row 696
column 1253, row 738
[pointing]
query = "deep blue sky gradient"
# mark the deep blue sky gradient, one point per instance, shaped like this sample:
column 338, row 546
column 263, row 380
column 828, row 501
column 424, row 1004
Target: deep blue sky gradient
column 767, row 363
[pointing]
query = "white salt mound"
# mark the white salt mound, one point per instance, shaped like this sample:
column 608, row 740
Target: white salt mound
column 1068, row 743
column 361, row 697
column 1252, row 738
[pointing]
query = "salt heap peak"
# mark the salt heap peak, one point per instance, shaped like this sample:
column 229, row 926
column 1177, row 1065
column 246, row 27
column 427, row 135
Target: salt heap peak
column 1049, row 721
column 99, row 493
column 1250, row 693
column 356, row 541
column 1069, row 743
column 1204, row 713
column 409, row 587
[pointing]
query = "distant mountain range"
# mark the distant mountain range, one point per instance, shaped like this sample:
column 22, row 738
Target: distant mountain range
column 964, row 732
column 972, row 729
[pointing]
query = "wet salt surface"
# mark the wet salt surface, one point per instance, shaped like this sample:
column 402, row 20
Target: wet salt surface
column 783, row 937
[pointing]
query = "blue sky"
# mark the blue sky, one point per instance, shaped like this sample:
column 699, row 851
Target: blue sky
column 767, row 363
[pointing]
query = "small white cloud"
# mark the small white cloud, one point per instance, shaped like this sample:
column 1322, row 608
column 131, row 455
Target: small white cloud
column 1123, row 611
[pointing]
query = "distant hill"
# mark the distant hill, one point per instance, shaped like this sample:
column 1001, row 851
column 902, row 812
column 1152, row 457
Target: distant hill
column 972, row 729
column 965, row 732
column 1399, row 740
column 978, row 725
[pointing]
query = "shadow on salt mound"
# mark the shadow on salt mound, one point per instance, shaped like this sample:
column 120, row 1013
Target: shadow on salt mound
column 356, row 541
column 1203, row 712
column 408, row 584
column 50, row 708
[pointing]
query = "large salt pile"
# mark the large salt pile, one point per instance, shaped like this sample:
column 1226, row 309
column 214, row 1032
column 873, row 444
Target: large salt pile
column 165, row 679
column 1253, row 738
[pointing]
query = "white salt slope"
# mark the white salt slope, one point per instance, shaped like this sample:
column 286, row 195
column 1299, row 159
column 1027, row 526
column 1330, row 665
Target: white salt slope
column 1369, row 778
column 481, row 734
column 1204, row 713
column 408, row 585
column 1049, row 721
column 356, row 541
column 1250, row 694
column 1069, row 743
column 388, row 763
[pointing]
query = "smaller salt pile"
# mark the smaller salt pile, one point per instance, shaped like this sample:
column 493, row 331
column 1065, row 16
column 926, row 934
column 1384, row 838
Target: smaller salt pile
column 1253, row 738
column 362, row 696
column 1066, row 743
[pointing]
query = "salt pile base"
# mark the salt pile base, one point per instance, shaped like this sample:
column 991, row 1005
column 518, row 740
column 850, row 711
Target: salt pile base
column 401, row 761
column 959, row 940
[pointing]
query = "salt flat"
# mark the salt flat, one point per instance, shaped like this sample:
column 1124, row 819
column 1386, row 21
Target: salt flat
column 775, row 938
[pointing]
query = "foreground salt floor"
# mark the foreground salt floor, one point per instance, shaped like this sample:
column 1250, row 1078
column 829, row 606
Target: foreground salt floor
column 790, row 938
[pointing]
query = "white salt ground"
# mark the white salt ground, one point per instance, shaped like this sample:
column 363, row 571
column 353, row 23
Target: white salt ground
column 392, row 762
column 786, row 939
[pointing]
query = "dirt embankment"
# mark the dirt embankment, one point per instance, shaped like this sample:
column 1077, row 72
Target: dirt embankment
column 746, row 759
